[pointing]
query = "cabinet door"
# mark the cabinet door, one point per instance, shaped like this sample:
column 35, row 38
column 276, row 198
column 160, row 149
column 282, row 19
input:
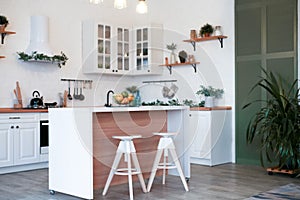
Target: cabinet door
column 200, row 128
column 6, row 145
column 148, row 52
column 141, row 53
column 96, row 47
column 123, row 53
column 26, row 143
column 104, row 46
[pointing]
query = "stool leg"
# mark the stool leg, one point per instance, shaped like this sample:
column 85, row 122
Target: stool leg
column 154, row 168
column 112, row 172
column 164, row 169
column 140, row 175
column 129, row 176
column 177, row 163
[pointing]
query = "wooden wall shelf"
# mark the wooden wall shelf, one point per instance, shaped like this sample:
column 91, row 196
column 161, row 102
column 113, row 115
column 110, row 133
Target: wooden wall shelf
column 4, row 33
column 202, row 39
column 169, row 66
column 2, row 57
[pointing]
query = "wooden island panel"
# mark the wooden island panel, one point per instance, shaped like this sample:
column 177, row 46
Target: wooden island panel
column 108, row 124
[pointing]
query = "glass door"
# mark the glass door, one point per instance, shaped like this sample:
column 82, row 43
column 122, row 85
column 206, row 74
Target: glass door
column 123, row 49
column 142, row 45
column 104, row 46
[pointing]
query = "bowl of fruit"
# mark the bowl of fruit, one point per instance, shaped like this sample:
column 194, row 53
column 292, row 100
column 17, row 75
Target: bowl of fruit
column 123, row 98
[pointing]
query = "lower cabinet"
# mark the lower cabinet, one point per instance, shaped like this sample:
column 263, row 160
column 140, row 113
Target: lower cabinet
column 211, row 136
column 19, row 144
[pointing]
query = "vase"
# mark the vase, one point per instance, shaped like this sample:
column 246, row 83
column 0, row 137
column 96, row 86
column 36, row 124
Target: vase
column 137, row 99
column 172, row 58
column 209, row 102
column 218, row 31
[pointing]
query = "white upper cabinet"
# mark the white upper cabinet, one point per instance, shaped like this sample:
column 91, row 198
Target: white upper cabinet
column 148, row 49
column 120, row 50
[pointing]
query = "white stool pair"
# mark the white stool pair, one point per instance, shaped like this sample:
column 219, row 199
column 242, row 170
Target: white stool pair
column 127, row 148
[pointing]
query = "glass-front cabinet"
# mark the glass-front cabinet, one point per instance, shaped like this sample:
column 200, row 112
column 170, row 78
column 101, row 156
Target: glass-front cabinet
column 123, row 53
column 110, row 49
column 148, row 52
column 104, row 46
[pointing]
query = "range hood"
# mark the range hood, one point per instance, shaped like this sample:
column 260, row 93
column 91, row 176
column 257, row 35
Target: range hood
column 39, row 35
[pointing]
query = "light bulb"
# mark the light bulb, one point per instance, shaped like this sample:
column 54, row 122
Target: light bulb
column 142, row 7
column 96, row 1
column 120, row 4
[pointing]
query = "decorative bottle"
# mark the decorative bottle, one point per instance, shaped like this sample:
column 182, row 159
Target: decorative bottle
column 137, row 99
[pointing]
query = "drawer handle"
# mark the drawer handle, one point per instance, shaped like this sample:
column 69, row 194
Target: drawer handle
column 14, row 117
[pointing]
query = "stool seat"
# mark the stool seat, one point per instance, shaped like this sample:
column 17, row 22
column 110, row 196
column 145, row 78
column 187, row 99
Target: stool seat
column 126, row 147
column 165, row 145
column 165, row 134
column 127, row 137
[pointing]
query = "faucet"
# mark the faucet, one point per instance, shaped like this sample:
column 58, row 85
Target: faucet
column 107, row 98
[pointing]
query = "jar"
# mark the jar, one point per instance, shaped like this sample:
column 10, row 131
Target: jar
column 218, row 31
column 193, row 34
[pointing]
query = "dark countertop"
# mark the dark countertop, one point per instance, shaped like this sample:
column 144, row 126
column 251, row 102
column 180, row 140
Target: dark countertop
column 23, row 110
column 208, row 109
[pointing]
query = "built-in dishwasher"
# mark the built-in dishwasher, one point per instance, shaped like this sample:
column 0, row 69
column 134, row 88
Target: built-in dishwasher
column 44, row 135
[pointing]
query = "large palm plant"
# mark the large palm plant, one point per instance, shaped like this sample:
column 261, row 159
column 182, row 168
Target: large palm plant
column 277, row 123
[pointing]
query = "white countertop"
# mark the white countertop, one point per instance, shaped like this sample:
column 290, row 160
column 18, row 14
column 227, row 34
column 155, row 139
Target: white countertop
column 124, row 108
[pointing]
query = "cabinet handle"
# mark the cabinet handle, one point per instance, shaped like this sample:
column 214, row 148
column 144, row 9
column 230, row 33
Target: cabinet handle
column 116, row 70
column 14, row 117
column 190, row 115
column 17, row 126
column 12, row 127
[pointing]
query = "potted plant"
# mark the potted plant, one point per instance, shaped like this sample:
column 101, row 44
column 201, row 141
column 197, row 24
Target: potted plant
column 277, row 124
column 182, row 56
column 210, row 94
column 3, row 23
column 206, row 30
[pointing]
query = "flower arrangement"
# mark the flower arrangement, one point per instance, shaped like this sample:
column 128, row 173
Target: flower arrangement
column 210, row 91
column 59, row 59
column 171, row 47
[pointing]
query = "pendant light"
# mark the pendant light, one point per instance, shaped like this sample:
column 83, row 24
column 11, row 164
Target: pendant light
column 142, row 7
column 96, row 1
column 120, row 4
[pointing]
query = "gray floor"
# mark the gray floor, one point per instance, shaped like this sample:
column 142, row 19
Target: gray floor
column 228, row 181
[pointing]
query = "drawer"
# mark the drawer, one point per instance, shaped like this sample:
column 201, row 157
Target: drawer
column 19, row 117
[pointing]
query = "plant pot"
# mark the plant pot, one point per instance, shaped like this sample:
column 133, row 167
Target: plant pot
column 209, row 102
column 206, row 34
column 2, row 28
column 182, row 59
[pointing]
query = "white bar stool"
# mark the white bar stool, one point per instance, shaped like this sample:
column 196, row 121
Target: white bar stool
column 127, row 148
column 166, row 144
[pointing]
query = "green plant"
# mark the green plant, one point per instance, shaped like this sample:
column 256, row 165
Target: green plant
column 206, row 29
column 59, row 59
column 132, row 89
column 210, row 91
column 277, row 124
column 3, row 20
column 171, row 47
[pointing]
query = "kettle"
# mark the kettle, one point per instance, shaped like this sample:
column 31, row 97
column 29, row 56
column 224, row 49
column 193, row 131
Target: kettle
column 37, row 101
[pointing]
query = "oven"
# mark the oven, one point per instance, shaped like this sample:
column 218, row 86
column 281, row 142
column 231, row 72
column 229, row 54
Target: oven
column 44, row 136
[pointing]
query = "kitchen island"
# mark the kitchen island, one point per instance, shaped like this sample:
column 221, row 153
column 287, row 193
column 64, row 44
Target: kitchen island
column 81, row 148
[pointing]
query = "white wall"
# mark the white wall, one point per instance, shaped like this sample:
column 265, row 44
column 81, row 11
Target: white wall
column 178, row 17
